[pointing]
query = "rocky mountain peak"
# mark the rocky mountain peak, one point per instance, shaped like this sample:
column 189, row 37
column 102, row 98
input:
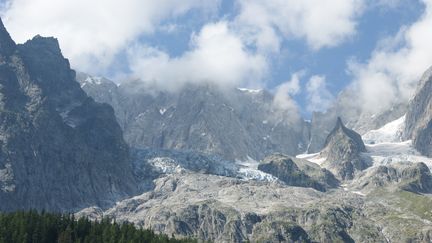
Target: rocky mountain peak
column 7, row 45
column 59, row 150
column 51, row 72
column 343, row 150
column 339, row 123
column 340, row 130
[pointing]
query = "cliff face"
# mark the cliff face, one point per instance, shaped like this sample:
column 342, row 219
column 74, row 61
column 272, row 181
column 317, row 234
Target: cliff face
column 418, row 123
column 59, row 150
column 233, row 123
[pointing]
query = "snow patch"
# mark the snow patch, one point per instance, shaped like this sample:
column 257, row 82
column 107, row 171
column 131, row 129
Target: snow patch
column 389, row 133
column 388, row 153
column 162, row 111
column 92, row 80
column 165, row 165
column 359, row 193
column 314, row 158
column 249, row 171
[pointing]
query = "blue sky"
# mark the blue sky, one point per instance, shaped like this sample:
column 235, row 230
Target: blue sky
column 328, row 44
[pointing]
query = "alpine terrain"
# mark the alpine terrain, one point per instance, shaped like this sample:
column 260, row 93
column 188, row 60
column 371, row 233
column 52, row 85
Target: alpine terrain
column 209, row 163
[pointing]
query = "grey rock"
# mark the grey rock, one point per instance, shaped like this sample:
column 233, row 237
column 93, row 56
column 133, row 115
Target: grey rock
column 7, row 45
column 280, row 231
column 417, row 178
column 418, row 123
column 296, row 172
column 224, row 209
column 233, row 123
column 413, row 177
column 342, row 151
column 59, row 150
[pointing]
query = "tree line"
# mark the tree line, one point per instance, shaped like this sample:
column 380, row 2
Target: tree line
column 42, row 227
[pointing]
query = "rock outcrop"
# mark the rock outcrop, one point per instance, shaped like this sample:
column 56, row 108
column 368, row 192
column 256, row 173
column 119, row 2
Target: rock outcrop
column 413, row 177
column 343, row 148
column 59, row 150
column 418, row 123
column 416, row 178
column 296, row 172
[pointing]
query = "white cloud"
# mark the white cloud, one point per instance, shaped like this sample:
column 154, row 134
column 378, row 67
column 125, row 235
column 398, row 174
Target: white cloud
column 217, row 55
column 283, row 103
column 320, row 23
column 391, row 74
column 284, row 92
column 318, row 95
column 291, row 87
column 92, row 32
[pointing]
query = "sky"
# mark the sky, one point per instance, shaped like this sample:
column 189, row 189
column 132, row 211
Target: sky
column 305, row 51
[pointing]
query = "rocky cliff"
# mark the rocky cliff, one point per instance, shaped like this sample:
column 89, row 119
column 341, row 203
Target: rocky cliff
column 232, row 123
column 418, row 123
column 59, row 150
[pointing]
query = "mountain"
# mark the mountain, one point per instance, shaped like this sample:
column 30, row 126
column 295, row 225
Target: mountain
column 59, row 149
column 418, row 123
column 343, row 148
column 232, row 123
column 347, row 192
column 209, row 163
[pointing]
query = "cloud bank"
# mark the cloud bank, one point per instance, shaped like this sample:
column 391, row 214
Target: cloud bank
column 236, row 51
column 318, row 95
column 216, row 55
column 91, row 33
column 320, row 23
column 391, row 74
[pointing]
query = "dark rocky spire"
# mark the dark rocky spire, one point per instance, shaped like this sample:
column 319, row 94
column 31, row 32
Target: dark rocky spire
column 7, row 45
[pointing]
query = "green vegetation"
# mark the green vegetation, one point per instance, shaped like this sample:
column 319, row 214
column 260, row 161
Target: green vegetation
column 34, row 227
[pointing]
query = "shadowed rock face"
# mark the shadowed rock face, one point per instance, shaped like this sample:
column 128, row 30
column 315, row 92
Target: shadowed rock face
column 7, row 45
column 59, row 150
column 296, row 172
column 342, row 152
column 418, row 123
